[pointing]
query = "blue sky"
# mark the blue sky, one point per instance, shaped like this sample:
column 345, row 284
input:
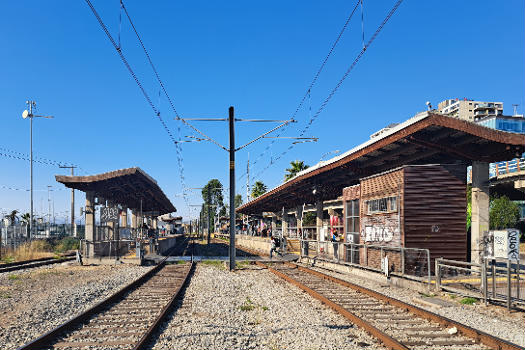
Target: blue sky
column 257, row 56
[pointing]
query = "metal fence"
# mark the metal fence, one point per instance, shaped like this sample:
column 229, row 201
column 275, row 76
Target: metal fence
column 106, row 248
column 493, row 280
column 11, row 236
column 406, row 262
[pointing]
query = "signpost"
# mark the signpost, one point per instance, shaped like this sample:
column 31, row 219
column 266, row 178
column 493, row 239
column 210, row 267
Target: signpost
column 506, row 244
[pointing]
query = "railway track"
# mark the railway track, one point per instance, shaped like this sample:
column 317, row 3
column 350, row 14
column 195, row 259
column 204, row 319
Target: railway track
column 27, row 264
column 396, row 324
column 125, row 320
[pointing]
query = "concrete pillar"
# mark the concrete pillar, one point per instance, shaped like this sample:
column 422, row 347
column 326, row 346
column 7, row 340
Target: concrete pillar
column 285, row 224
column 133, row 219
column 90, row 223
column 299, row 216
column 274, row 224
column 480, row 209
column 124, row 218
column 319, row 217
column 99, row 235
column 154, row 223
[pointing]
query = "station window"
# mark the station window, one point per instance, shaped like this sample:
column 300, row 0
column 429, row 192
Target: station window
column 382, row 205
column 352, row 216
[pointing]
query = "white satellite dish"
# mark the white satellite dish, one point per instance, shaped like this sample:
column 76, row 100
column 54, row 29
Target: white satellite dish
column 25, row 114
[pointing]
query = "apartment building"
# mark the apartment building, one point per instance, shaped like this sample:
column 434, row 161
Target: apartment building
column 469, row 109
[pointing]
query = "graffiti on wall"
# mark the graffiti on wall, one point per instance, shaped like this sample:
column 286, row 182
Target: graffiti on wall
column 380, row 229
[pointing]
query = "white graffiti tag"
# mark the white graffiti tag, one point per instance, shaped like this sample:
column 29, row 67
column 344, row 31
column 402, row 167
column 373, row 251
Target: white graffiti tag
column 379, row 233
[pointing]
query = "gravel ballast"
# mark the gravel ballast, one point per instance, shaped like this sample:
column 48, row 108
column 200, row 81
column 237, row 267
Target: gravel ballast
column 34, row 301
column 494, row 320
column 254, row 309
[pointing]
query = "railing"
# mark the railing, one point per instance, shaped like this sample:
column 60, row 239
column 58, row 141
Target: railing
column 406, row 262
column 310, row 232
column 106, row 248
column 502, row 168
column 494, row 280
column 511, row 166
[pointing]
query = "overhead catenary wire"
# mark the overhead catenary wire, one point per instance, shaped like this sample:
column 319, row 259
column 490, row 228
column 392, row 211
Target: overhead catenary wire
column 162, row 84
column 313, row 82
column 139, row 84
column 338, row 85
column 8, row 153
column 7, row 187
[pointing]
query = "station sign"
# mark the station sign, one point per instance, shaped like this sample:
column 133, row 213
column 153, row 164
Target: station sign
column 109, row 214
column 506, row 244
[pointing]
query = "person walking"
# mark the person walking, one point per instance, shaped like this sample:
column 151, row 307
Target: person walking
column 275, row 244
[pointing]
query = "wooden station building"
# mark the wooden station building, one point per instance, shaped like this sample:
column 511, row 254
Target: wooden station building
column 405, row 187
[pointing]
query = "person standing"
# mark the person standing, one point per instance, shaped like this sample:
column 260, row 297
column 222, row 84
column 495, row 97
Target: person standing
column 335, row 242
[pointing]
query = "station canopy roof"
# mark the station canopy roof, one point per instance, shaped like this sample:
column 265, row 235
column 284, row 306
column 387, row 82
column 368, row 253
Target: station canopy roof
column 126, row 187
column 428, row 138
column 169, row 219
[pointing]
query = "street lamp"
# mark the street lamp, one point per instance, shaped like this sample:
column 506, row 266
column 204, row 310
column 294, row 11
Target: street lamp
column 29, row 114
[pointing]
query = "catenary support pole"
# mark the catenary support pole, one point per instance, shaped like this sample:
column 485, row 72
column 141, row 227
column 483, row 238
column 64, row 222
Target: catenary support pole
column 209, row 215
column 30, row 233
column 231, row 122
column 73, row 231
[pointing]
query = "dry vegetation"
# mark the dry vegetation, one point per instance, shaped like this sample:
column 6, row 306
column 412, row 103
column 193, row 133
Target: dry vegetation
column 28, row 251
column 38, row 249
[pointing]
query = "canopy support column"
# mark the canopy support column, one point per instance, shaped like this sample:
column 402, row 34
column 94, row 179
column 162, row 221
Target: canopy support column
column 480, row 209
column 90, row 223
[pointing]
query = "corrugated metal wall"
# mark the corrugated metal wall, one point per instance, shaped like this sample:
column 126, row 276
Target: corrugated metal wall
column 435, row 208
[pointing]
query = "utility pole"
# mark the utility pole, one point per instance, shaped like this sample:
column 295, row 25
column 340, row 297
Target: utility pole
column 48, row 205
column 231, row 122
column 31, row 104
column 29, row 114
column 72, row 197
column 209, row 215
column 248, row 179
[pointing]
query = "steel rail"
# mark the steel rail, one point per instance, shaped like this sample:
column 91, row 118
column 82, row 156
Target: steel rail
column 42, row 341
column 28, row 264
column 146, row 338
column 383, row 337
column 467, row 331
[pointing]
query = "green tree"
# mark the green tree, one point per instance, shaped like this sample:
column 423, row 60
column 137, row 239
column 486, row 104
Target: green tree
column 259, row 188
column 213, row 201
column 295, row 167
column 238, row 201
column 309, row 219
column 503, row 213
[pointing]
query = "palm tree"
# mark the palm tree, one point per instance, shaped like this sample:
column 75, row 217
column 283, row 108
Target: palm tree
column 259, row 188
column 13, row 216
column 25, row 218
column 296, row 167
